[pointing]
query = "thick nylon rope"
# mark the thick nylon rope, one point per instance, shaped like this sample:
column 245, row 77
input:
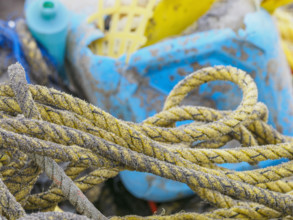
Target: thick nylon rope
column 51, row 168
column 39, row 69
column 40, row 127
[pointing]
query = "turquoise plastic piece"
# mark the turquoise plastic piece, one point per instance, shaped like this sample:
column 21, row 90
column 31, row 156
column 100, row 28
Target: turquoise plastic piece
column 155, row 188
column 48, row 23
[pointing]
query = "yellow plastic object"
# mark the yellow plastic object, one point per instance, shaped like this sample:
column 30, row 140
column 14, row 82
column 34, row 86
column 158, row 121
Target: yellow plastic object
column 57, row 209
column 271, row 5
column 285, row 26
column 171, row 17
column 127, row 22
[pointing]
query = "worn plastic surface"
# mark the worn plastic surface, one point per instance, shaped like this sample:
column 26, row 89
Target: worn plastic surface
column 48, row 23
column 172, row 17
column 137, row 90
column 271, row 5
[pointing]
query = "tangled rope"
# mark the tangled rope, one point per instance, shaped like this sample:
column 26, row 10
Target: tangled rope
column 41, row 127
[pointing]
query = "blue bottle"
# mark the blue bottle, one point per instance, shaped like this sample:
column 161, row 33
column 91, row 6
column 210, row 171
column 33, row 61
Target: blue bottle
column 48, row 23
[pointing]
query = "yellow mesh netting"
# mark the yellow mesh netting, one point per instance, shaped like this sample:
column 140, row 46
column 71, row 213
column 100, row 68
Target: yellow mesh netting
column 125, row 32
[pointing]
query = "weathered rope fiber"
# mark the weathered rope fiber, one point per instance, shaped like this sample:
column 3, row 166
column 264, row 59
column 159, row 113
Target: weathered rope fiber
column 40, row 127
column 40, row 71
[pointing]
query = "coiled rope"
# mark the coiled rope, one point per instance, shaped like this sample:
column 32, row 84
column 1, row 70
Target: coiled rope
column 41, row 127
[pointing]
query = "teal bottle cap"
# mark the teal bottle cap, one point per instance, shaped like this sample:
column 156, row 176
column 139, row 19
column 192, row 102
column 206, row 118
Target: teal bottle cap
column 48, row 9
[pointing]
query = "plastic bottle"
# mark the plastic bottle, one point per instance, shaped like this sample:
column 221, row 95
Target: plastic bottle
column 48, row 23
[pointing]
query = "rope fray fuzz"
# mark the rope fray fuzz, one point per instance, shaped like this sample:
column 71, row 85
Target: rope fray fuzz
column 57, row 127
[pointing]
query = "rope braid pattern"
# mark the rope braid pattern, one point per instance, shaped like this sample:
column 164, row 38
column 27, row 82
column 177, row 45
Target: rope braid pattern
column 40, row 71
column 52, row 169
column 40, row 127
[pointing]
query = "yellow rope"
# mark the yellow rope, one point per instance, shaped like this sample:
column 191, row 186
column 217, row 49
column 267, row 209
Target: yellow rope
column 39, row 69
column 285, row 25
column 57, row 127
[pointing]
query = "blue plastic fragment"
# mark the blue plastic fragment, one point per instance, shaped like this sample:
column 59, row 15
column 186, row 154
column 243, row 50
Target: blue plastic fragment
column 9, row 39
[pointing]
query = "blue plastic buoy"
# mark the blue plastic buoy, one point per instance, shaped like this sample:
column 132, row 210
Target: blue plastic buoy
column 48, row 23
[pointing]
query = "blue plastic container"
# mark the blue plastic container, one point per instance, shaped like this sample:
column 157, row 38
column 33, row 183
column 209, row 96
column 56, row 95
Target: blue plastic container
column 137, row 90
